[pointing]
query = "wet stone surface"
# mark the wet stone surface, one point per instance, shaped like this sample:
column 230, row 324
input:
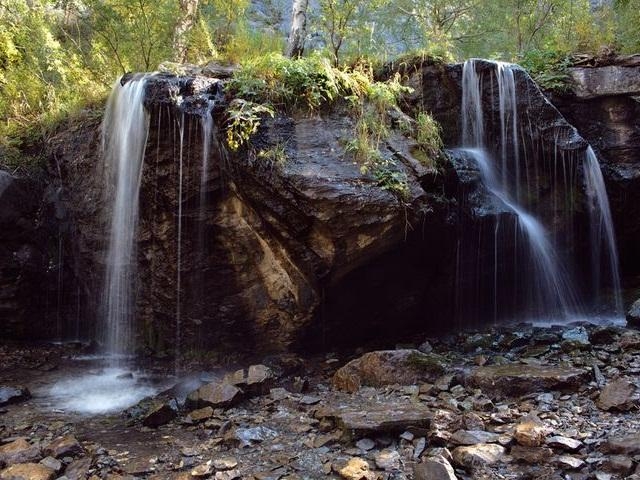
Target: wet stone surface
column 503, row 408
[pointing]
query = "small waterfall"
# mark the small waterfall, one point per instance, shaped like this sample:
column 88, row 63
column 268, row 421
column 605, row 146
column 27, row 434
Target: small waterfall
column 539, row 286
column 124, row 135
column 602, row 233
column 178, row 338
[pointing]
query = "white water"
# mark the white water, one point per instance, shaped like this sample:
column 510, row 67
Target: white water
column 603, row 240
column 100, row 391
column 124, row 134
column 549, row 292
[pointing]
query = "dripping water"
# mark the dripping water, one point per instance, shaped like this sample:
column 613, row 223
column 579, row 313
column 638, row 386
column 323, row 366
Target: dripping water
column 179, row 249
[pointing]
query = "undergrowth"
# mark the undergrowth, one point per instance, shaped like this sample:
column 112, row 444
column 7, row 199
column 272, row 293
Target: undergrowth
column 549, row 68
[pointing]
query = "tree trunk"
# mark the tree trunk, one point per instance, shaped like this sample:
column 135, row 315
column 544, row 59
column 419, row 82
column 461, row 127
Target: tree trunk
column 186, row 21
column 295, row 45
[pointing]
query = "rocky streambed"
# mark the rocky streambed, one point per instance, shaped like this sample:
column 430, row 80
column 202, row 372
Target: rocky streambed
column 516, row 402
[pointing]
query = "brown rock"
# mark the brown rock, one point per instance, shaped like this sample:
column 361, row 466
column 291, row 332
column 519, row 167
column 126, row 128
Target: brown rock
column 531, row 455
column 161, row 414
column 66, row 446
column 215, row 395
column 434, row 468
column 256, row 380
column 27, row 471
column 617, row 395
column 19, row 451
column 620, row 464
column 357, row 469
column 78, row 469
column 201, row 414
column 626, row 444
column 443, row 423
column 517, row 378
column 477, row 455
column 386, row 367
column 530, row 432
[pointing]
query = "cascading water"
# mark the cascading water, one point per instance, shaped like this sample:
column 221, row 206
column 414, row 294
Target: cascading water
column 114, row 387
column 529, row 276
column 603, row 240
column 124, row 132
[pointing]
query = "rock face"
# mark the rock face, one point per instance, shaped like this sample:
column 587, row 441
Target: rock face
column 263, row 243
column 603, row 106
column 24, row 278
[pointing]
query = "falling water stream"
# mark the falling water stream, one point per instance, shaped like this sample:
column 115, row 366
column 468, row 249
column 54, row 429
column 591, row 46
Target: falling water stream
column 547, row 292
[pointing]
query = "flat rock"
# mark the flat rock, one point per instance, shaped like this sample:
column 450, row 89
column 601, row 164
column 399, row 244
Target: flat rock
column 564, row 443
column 473, row 437
column 605, row 81
column 225, row 463
column 161, row 414
column 19, row 451
column 480, row 455
column 11, row 395
column 67, row 446
column 617, row 395
column 517, row 378
column 215, row 395
column 387, row 367
column 625, row 444
column 569, row 462
column 434, row 468
column 531, row 455
column 201, row 414
column 382, row 418
column 27, row 471
column 78, row 469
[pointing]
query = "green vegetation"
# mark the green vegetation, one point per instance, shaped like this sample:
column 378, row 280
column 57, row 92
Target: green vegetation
column 59, row 56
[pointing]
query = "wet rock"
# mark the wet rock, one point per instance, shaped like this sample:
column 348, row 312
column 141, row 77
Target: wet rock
column 161, row 414
column 530, row 431
column 617, row 395
column 357, row 469
column 473, row 437
column 67, row 446
column 434, row 468
column 256, row 380
column 382, row 418
column 564, row 443
column 517, row 378
column 11, row 395
column 19, row 451
column 625, row 444
column 633, row 314
column 27, row 471
column 480, row 455
column 386, row 367
column 575, row 338
column 214, row 395
column 531, row 455
column 388, row 460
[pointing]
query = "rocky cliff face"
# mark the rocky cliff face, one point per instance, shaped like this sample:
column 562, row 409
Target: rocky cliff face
column 603, row 105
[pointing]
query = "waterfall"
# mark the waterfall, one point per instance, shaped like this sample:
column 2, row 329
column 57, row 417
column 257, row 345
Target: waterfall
column 540, row 286
column 124, row 135
column 602, row 232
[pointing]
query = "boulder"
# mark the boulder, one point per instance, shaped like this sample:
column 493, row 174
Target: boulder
column 611, row 80
column 531, row 455
column 357, row 469
column 518, row 378
column 161, row 414
column 623, row 444
column 256, row 380
column 67, row 446
column 214, row 395
column 434, row 468
column 618, row 395
column 27, row 471
column 480, row 455
column 473, row 437
column 10, row 395
column 530, row 431
column 386, row 367
column 19, row 451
